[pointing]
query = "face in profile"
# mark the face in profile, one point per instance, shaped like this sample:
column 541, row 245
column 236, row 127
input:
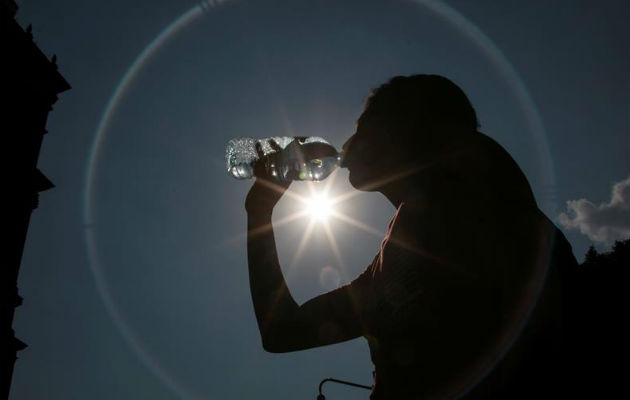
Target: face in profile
column 368, row 154
column 406, row 122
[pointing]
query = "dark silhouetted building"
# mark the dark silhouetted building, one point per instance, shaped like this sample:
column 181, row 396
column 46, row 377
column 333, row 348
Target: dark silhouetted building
column 30, row 84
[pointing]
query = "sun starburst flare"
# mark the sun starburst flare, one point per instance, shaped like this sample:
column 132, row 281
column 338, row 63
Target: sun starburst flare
column 319, row 209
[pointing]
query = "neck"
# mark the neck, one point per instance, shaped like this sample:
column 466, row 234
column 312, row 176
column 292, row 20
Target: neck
column 419, row 181
column 403, row 190
column 413, row 183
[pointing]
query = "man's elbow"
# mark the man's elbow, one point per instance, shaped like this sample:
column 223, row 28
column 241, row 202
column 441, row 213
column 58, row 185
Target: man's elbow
column 275, row 346
column 271, row 347
column 281, row 340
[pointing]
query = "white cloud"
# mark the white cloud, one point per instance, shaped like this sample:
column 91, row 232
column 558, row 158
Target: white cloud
column 602, row 223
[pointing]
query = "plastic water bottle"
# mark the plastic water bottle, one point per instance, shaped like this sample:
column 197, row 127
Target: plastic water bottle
column 301, row 158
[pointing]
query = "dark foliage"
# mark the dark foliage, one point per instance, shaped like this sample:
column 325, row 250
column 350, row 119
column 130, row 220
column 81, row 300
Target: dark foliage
column 597, row 317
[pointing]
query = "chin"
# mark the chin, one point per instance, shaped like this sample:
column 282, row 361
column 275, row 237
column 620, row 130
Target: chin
column 359, row 182
column 354, row 181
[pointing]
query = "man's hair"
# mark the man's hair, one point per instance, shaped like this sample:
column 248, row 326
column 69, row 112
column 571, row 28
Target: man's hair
column 426, row 101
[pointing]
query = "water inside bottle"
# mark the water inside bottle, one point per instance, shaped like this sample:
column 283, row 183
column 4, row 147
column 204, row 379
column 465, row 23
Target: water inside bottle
column 309, row 159
column 318, row 168
column 242, row 171
column 303, row 158
column 240, row 156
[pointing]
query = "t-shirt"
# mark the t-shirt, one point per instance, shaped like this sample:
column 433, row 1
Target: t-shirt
column 464, row 296
column 437, row 329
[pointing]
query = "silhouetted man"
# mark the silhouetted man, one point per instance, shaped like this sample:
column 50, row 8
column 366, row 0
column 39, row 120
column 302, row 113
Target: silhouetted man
column 464, row 296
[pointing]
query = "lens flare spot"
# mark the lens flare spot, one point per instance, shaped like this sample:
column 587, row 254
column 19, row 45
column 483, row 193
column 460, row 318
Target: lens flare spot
column 329, row 278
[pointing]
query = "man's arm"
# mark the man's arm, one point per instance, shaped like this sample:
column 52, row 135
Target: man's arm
column 284, row 325
column 270, row 294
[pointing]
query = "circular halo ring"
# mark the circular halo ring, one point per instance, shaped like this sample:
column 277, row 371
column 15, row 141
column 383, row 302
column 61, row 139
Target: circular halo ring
column 441, row 10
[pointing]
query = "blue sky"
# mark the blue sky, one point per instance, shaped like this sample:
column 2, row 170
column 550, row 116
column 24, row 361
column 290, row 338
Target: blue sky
column 145, row 295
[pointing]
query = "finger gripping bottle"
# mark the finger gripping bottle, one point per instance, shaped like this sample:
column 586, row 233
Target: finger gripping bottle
column 284, row 158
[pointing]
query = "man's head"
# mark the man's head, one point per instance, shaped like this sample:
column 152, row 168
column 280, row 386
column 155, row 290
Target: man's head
column 403, row 121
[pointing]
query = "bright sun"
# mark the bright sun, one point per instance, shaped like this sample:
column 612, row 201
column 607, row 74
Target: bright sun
column 319, row 207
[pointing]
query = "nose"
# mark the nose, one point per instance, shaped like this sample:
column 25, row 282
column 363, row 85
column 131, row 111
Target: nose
column 346, row 145
column 344, row 151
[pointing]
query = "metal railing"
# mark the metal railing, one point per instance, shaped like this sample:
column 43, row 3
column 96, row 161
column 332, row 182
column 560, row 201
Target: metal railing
column 322, row 397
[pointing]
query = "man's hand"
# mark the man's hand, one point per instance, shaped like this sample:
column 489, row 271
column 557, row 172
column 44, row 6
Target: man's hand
column 267, row 189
